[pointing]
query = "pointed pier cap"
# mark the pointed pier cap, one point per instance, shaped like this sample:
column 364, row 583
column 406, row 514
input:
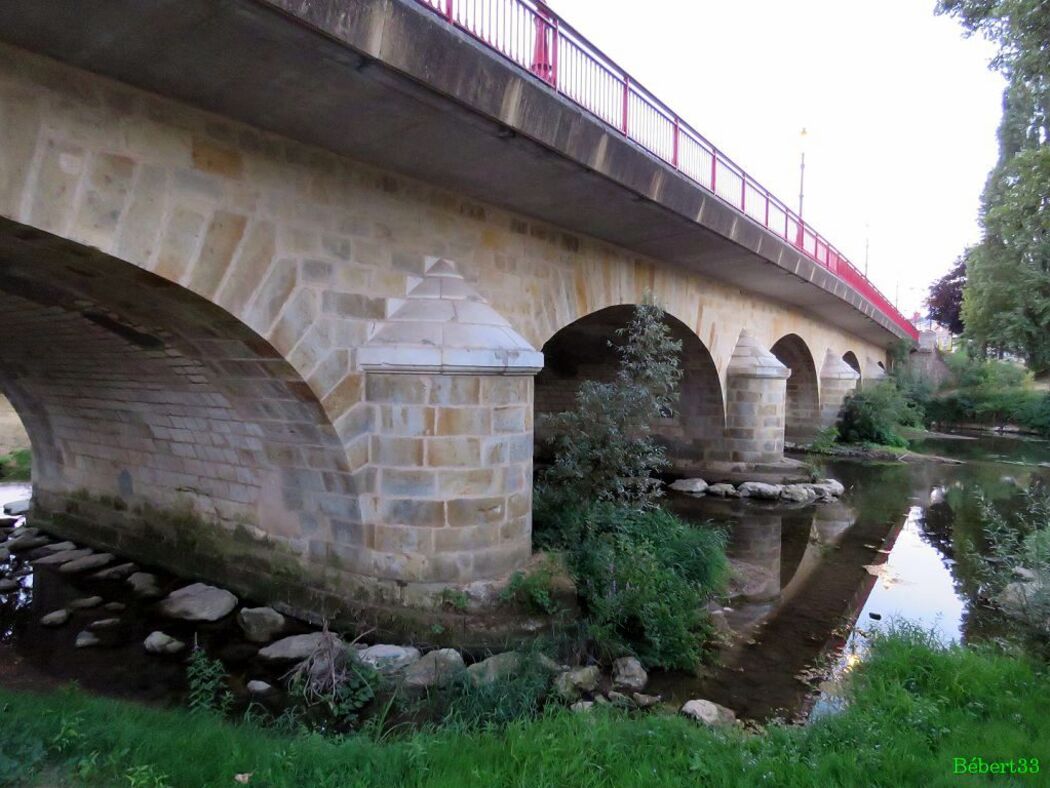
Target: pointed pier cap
column 751, row 360
column 836, row 368
column 444, row 326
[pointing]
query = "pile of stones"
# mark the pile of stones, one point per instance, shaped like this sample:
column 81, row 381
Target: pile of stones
column 823, row 491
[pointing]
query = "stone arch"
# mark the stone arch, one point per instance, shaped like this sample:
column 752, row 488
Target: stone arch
column 802, row 409
column 854, row 363
column 167, row 429
column 581, row 351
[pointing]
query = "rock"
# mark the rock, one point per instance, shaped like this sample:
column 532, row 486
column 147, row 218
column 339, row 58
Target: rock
column 582, row 706
column 198, row 602
column 161, row 643
column 645, row 701
column 85, row 602
column 59, row 547
column 26, row 542
column 760, row 491
column 8, row 520
column 114, row 607
column 256, row 687
column 690, row 486
column 629, row 674
column 618, row 698
column 834, row 485
column 1024, row 573
column 144, row 584
column 63, row 556
column 18, row 508
column 434, row 669
column 389, row 659
column 55, row 618
column 118, row 572
column 104, row 623
column 708, row 713
column 722, row 490
column 720, row 622
column 1016, row 598
column 822, row 491
column 496, row 667
column 260, row 624
column 296, row 647
column 572, row 683
column 85, row 563
column 87, row 639
column 7, row 585
column 798, row 493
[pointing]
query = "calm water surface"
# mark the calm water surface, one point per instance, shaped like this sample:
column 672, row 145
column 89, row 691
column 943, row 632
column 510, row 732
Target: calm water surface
column 808, row 582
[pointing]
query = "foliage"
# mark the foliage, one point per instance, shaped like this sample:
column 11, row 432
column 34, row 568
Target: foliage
column 207, row 680
column 643, row 575
column 1006, row 300
column 603, row 448
column 824, row 441
column 16, row 466
column 945, row 298
column 533, row 590
column 913, row 707
column 990, row 392
column 876, row 414
column 333, row 678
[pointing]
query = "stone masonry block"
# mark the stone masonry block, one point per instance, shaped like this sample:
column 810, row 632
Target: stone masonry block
column 464, row 421
column 399, row 452
column 395, row 389
column 476, row 511
column 453, row 452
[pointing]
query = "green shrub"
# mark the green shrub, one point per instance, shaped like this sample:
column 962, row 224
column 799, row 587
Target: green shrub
column 603, row 448
column 16, row 466
column 643, row 576
column 532, row 590
column 207, row 680
column 876, row 414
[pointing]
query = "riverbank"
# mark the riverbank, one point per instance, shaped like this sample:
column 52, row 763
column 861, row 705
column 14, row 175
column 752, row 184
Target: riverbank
column 914, row 709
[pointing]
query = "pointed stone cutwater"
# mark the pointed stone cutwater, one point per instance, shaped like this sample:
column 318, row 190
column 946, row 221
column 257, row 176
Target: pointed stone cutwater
column 837, row 381
column 444, row 326
column 873, row 374
column 756, row 392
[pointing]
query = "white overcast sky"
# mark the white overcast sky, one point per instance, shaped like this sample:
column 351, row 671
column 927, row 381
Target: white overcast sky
column 900, row 109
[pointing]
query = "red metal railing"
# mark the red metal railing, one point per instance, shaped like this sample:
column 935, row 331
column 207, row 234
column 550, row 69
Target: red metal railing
column 532, row 36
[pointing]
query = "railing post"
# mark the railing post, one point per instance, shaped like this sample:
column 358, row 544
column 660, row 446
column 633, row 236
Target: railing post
column 626, row 96
column 554, row 54
column 766, row 222
column 448, row 9
column 714, row 171
column 674, row 154
column 743, row 191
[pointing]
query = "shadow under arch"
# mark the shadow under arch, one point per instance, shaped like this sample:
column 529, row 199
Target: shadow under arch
column 582, row 351
column 802, row 408
column 163, row 427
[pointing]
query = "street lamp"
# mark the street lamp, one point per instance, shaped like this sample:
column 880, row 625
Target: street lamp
column 802, row 174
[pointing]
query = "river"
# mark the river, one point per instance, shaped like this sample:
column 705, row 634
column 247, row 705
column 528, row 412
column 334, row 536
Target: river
column 810, row 581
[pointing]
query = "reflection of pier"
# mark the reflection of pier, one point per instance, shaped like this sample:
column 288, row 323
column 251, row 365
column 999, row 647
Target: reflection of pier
column 801, row 578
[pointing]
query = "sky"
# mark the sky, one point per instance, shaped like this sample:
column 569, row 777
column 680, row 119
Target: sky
column 899, row 107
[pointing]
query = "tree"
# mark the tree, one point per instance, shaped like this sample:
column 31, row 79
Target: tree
column 604, row 448
column 1006, row 298
column 946, row 297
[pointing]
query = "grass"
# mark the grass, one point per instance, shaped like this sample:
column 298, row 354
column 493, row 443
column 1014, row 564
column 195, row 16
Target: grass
column 15, row 467
column 914, row 707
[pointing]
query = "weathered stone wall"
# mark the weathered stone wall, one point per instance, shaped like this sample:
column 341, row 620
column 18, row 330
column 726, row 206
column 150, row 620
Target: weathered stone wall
column 300, row 252
column 802, row 409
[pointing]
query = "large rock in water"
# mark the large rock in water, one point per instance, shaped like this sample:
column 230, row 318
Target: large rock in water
column 162, row 643
column 93, row 561
column 198, row 602
column 434, row 669
column 722, row 490
column 759, row 490
column 690, row 486
column 296, row 647
column 63, row 556
column 389, row 659
column 1017, row 597
column 572, row 683
column 708, row 713
column 18, row 508
column 628, row 673
column 798, row 493
column 144, row 584
column 260, row 624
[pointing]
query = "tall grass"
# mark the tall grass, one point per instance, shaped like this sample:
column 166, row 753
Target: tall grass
column 914, row 706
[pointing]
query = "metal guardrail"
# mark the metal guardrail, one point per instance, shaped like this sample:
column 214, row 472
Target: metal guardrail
column 533, row 37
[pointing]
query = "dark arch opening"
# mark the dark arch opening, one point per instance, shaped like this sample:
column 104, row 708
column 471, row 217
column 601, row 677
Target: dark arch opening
column 802, row 409
column 581, row 351
column 853, row 362
column 161, row 425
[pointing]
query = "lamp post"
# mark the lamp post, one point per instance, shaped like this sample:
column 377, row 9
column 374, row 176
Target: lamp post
column 802, row 174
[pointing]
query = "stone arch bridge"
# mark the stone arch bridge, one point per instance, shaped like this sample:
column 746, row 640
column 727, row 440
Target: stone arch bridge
column 274, row 291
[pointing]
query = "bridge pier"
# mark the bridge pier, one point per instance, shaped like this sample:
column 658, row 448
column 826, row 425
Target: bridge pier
column 837, row 381
column 756, row 393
